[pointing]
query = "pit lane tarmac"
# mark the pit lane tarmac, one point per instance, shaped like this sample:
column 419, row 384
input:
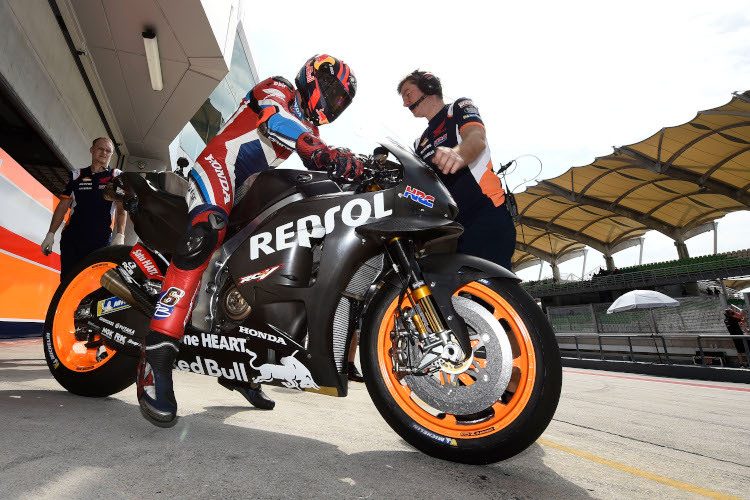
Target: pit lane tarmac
column 614, row 436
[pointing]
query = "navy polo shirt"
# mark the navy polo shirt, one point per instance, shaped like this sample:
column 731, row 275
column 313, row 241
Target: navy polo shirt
column 475, row 188
column 91, row 214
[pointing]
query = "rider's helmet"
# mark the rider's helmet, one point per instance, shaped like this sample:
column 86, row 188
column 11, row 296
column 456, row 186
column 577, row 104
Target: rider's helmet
column 327, row 87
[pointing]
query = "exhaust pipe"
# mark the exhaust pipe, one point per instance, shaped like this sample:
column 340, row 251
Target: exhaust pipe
column 114, row 284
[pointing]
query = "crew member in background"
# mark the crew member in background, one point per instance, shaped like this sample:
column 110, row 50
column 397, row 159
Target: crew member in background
column 273, row 120
column 455, row 145
column 735, row 319
column 90, row 225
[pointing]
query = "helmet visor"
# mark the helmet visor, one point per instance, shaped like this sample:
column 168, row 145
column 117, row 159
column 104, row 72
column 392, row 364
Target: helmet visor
column 337, row 98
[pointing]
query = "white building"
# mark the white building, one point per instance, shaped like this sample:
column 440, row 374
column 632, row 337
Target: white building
column 75, row 70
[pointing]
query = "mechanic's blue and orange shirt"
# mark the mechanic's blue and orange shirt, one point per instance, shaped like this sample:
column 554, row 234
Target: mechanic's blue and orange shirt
column 475, row 187
column 90, row 213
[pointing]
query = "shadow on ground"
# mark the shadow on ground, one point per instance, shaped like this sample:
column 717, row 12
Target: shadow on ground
column 56, row 444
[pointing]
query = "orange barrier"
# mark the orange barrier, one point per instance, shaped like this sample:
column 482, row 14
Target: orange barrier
column 28, row 279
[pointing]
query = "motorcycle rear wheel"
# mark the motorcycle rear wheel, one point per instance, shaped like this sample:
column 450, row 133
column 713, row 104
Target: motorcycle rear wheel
column 493, row 409
column 81, row 369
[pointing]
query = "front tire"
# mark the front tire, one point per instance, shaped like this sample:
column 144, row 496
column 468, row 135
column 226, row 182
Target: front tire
column 94, row 371
column 491, row 409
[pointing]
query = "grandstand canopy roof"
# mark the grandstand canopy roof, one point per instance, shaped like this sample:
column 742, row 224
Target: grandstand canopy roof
column 675, row 182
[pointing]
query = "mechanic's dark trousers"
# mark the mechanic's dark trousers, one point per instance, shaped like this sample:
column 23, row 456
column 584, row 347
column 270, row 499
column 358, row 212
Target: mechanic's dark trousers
column 490, row 235
column 74, row 247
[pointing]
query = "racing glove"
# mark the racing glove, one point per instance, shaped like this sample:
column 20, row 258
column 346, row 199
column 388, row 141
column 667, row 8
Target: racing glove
column 49, row 240
column 118, row 239
column 316, row 155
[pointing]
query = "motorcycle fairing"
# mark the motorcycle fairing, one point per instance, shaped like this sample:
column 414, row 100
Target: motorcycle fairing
column 312, row 290
column 252, row 352
column 316, row 296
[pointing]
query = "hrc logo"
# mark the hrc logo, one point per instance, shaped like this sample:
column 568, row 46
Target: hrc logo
column 416, row 195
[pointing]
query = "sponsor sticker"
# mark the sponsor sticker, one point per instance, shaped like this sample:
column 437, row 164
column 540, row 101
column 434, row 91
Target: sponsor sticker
column 260, row 275
column 144, row 261
column 205, row 366
column 110, row 305
column 465, row 103
column 479, row 432
column 432, row 435
column 354, row 213
column 50, row 350
column 167, row 301
column 441, row 139
column 263, row 335
column 291, row 373
column 420, row 197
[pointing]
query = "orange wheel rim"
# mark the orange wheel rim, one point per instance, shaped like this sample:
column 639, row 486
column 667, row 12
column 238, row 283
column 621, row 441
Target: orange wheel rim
column 72, row 353
column 502, row 414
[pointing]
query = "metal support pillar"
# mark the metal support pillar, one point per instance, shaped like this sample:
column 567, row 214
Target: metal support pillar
column 610, row 262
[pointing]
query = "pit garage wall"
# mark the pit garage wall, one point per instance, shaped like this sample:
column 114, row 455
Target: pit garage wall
column 28, row 279
column 38, row 70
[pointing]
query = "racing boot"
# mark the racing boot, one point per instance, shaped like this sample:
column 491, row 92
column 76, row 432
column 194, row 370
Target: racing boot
column 155, row 391
column 252, row 392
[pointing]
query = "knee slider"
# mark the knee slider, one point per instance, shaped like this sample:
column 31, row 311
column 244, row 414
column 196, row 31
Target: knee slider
column 198, row 243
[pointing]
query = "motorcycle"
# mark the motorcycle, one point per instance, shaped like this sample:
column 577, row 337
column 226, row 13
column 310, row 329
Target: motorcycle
column 457, row 358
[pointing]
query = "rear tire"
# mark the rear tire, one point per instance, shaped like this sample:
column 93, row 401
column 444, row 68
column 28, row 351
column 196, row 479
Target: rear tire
column 506, row 415
column 76, row 367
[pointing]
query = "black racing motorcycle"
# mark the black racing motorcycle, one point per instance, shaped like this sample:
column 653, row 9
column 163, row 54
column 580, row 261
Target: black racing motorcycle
column 457, row 358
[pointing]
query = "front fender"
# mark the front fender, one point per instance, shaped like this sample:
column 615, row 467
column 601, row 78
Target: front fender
column 445, row 274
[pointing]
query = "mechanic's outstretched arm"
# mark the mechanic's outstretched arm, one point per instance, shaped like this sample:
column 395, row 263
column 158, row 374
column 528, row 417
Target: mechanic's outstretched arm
column 473, row 142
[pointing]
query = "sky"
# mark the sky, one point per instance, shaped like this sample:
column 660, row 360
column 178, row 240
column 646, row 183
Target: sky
column 563, row 81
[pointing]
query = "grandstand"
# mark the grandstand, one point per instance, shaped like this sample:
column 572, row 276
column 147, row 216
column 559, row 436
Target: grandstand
column 654, row 275
column 676, row 182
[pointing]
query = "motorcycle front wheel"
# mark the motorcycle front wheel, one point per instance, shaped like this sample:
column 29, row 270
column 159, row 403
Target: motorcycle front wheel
column 487, row 409
column 84, row 366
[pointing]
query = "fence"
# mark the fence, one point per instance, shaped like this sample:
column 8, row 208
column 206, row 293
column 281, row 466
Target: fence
column 694, row 315
column 710, row 267
column 703, row 350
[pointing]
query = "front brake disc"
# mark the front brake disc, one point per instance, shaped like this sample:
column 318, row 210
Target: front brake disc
column 489, row 382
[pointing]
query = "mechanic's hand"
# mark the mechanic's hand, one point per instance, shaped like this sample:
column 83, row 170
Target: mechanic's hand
column 447, row 160
column 341, row 163
column 49, row 240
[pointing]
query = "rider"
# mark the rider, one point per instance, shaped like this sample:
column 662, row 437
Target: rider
column 273, row 120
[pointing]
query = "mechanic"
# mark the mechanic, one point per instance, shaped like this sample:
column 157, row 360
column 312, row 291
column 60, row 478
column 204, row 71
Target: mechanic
column 455, row 145
column 272, row 120
column 89, row 227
